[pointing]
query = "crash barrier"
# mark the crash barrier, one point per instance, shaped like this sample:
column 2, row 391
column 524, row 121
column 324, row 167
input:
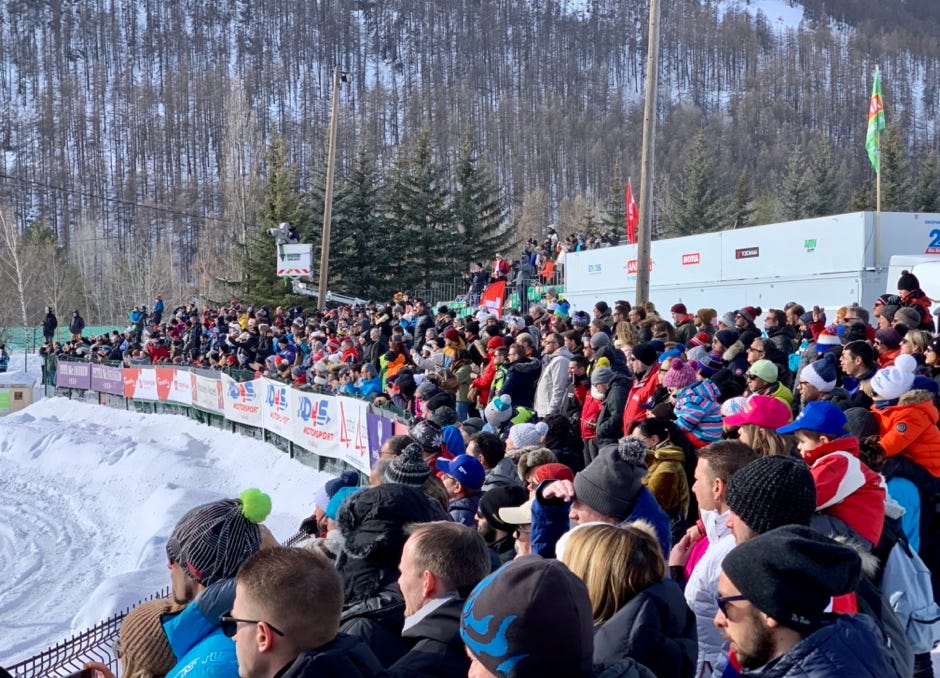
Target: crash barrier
column 95, row 644
column 323, row 430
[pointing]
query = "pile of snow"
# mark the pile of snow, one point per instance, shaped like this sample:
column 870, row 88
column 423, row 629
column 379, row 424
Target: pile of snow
column 88, row 497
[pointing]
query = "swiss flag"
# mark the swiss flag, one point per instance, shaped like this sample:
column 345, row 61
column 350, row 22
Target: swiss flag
column 633, row 215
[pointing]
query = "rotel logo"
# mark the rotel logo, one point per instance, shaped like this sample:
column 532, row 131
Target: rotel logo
column 690, row 259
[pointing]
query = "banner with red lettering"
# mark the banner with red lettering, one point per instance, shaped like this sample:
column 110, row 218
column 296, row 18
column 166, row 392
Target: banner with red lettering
column 633, row 215
column 492, row 298
column 354, row 433
column 140, row 383
column 316, row 423
column 174, row 385
column 207, row 393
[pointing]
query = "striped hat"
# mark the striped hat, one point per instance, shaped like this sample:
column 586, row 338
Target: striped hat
column 409, row 468
column 212, row 541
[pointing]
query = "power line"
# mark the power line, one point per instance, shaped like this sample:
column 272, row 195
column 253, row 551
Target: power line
column 103, row 198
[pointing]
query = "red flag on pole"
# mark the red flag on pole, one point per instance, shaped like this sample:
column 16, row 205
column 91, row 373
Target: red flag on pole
column 492, row 298
column 633, row 215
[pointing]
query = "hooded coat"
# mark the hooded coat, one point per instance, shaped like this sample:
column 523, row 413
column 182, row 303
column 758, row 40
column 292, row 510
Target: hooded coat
column 343, row 657
column 610, row 423
column 910, row 429
column 667, row 480
column 552, row 384
column 520, row 381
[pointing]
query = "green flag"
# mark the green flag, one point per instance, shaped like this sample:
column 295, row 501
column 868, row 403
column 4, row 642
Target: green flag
column 876, row 123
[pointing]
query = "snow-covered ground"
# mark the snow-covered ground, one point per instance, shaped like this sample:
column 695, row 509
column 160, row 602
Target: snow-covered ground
column 88, row 497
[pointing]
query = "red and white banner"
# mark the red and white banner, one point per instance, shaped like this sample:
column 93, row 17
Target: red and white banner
column 633, row 215
column 207, row 394
column 242, row 400
column 174, row 385
column 354, row 432
column 278, row 409
column 140, row 383
column 493, row 296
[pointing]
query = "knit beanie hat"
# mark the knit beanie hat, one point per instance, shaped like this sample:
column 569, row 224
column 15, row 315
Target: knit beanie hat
column 409, row 468
column 700, row 339
column 444, row 416
column 749, row 313
column 611, row 482
column 494, row 343
column 680, row 374
column 709, row 365
column 706, row 315
column 771, row 492
column 645, row 353
column 727, row 319
column 828, row 339
column 861, row 422
column 821, row 373
column 429, row 435
column 212, row 541
column 893, row 382
column 332, row 509
column 764, row 370
column 888, row 336
column 791, row 573
column 602, row 375
column 426, row 389
column 532, row 618
column 498, row 410
column 322, row 496
column 524, row 435
column 504, row 496
column 908, row 282
column 888, row 300
column 533, row 458
column 727, row 337
column 599, row 340
column 889, row 311
column 143, row 642
column 450, row 334
column 552, row 471
column 908, row 316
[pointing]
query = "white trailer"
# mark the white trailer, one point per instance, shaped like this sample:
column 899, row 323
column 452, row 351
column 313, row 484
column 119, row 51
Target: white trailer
column 829, row 261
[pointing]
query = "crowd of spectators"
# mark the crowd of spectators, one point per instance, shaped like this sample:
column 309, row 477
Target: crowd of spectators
column 620, row 493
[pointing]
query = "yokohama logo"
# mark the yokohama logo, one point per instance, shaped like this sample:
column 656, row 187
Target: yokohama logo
column 690, row 259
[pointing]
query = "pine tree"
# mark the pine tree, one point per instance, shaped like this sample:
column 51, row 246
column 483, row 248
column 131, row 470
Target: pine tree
column 824, row 195
column 480, row 214
column 615, row 211
column 863, row 200
column 359, row 236
column 896, row 192
column 283, row 201
column 794, row 192
column 742, row 210
column 927, row 193
column 420, row 219
column 697, row 207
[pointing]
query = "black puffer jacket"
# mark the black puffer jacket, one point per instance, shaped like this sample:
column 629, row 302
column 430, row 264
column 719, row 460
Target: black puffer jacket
column 436, row 649
column 610, row 420
column 345, row 657
column 656, row 628
column 848, row 646
column 372, row 522
column 520, row 381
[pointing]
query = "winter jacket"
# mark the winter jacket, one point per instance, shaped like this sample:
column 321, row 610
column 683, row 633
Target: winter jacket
column 783, row 337
column 849, row 645
column 641, row 392
column 464, row 377
column 435, row 647
column 656, row 628
column 520, row 381
column 698, row 413
column 504, row 474
column 702, row 587
column 343, row 657
column 686, row 330
column 847, row 488
column 910, row 429
column 609, row 423
column 198, row 643
column 552, row 384
column 646, row 508
column 920, row 302
column 464, row 510
column 590, row 411
column 49, row 325
column 77, row 324
column 667, row 480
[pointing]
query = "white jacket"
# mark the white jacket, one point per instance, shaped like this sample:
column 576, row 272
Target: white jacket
column 553, row 383
column 700, row 592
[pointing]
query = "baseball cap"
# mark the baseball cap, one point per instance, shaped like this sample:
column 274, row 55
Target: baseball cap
column 819, row 416
column 467, row 470
column 763, row 411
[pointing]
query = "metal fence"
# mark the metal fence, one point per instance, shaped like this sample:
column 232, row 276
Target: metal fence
column 68, row 656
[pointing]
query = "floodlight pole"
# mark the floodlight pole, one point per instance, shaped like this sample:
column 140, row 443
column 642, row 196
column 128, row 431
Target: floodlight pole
column 328, row 198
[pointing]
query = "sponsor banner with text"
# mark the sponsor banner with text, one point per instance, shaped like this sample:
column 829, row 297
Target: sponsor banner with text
column 140, row 383
column 207, row 394
column 107, row 379
column 174, row 385
column 316, row 423
column 278, row 407
column 73, row 375
column 354, row 433
column 242, row 400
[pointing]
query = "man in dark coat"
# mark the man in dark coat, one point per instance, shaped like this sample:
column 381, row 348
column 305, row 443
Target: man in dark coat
column 440, row 565
column 285, row 619
column 49, row 325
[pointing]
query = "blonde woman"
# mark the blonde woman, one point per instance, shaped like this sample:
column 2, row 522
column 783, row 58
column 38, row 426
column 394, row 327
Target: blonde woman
column 637, row 613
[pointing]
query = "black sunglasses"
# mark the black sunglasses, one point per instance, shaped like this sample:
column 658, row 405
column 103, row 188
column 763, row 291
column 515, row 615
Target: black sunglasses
column 229, row 625
column 723, row 602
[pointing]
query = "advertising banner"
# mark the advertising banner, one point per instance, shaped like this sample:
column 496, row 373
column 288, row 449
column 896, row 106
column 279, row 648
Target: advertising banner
column 277, row 410
column 107, row 379
column 354, row 433
column 140, row 383
column 73, row 375
column 174, row 385
column 316, row 423
column 242, row 400
column 207, row 393
column 380, row 429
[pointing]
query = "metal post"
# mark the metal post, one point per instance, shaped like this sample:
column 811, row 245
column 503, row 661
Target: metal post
column 328, row 199
column 645, row 237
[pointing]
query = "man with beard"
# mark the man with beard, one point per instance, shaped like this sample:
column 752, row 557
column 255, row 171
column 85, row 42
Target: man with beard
column 772, row 594
column 497, row 533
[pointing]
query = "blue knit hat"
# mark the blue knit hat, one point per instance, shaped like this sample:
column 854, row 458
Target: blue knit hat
column 332, row 509
column 821, row 373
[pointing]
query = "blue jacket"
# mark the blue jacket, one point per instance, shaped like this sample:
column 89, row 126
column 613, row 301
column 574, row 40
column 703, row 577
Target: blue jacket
column 464, row 510
column 646, row 508
column 199, row 645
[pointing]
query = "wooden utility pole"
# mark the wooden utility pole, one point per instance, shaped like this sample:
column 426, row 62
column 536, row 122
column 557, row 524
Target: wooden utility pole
column 644, row 239
column 328, row 197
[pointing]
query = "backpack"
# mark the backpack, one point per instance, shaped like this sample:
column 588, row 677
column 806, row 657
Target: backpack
column 905, row 581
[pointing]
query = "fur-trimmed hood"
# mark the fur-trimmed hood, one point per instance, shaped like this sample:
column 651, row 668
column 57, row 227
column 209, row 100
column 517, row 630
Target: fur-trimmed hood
column 916, row 396
column 733, row 351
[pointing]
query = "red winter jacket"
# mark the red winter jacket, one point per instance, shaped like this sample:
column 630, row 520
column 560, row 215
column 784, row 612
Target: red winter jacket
column 641, row 393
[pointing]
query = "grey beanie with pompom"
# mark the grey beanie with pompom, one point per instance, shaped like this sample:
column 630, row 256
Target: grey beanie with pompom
column 611, row 483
